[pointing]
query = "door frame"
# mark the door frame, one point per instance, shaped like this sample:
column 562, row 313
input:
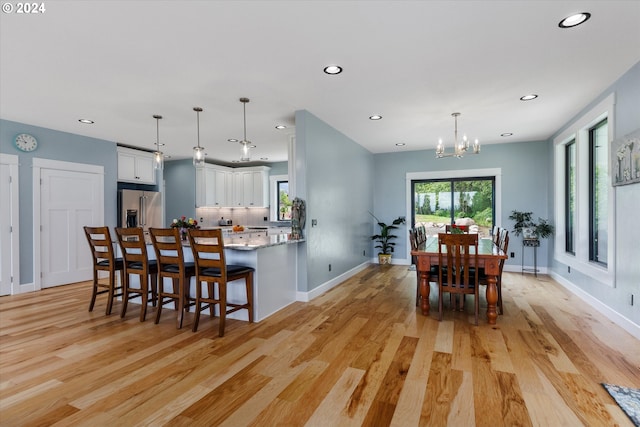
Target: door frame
column 13, row 162
column 38, row 165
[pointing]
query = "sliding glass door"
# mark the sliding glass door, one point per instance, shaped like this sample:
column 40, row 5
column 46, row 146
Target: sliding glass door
column 438, row 202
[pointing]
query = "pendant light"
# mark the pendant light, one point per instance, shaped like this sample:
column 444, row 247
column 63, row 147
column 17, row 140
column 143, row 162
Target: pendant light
column 246, row 144
column 460, row 148
column 158, row 156
column 198, row 152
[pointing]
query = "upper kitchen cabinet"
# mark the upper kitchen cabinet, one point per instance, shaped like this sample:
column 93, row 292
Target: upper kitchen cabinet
column 251, row 187
column 212, row 184
column 135, row 166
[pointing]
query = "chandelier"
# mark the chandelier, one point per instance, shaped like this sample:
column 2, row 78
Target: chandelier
column 246, row 144
column 158, row 156
column 198, row 152
column 461, row 147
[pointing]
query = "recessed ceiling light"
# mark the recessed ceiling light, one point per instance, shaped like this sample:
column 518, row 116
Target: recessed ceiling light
column 232, row 140
column 575, row 19
column 400, row 144
column 86, row 121
column 252, row 146
column 506, row 134
column 281, row 127
column 375, row 117
column 528, row 97
column 333, row 69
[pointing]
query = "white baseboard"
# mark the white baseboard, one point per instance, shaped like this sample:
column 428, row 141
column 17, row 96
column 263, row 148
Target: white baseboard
column 617, row 318
column 518, row 269
column 315, row 292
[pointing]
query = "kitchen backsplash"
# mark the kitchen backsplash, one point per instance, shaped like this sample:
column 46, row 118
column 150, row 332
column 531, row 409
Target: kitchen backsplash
column 239, row 216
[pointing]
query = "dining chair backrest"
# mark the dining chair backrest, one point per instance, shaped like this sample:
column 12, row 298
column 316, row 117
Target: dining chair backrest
column 413, row 239
column 208, row 249
column 134, row 248
column 495, row 234
column 101, row 246
column 168, row 248
column 421, row 234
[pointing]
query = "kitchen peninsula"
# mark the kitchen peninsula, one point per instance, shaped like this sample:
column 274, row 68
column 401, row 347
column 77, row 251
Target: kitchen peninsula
column 273, row 256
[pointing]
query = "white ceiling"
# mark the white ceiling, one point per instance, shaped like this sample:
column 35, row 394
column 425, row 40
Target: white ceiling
column 413, row 62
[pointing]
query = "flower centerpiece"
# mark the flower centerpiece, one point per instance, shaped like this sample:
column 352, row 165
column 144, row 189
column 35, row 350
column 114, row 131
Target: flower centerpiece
column 183, row 224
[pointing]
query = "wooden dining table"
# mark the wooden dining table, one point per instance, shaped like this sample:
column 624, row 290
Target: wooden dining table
column 489, row 256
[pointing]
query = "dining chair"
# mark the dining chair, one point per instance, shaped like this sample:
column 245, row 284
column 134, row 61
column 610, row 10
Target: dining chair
column 484, row 279
column 104, row 259
column 458, row 252
column 171, row 264
column 211, row 269
column 136, row 262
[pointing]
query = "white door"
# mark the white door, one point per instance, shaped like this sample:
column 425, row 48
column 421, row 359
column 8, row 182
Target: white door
column 9, row 249
column 69, row 200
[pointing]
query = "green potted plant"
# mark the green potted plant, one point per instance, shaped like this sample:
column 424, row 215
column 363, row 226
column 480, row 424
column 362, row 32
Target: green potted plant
column 529, row 229
column 384, row 238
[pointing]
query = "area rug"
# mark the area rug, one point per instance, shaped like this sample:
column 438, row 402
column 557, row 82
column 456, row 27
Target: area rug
column 628, row 399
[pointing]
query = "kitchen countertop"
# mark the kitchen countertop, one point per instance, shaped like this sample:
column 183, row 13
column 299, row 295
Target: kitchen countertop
column 243, row 241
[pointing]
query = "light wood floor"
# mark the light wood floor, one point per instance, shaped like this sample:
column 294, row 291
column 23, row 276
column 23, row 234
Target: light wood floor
column 359, row 355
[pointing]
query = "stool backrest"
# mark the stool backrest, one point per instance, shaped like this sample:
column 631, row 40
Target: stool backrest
column 134, row 248
column 208, row 250
column 101, row 246
column 168, row 247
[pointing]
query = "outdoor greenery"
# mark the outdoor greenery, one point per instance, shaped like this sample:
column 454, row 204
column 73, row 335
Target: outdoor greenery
column 285, row 205
column 472, row 199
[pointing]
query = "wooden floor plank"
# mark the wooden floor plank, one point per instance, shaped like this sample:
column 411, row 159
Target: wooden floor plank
column 360, row 354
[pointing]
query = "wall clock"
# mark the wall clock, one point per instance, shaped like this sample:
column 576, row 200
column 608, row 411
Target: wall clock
column 25, row 142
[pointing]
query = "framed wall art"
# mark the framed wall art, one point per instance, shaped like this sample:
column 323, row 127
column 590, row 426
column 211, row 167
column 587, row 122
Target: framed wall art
column 625, row 159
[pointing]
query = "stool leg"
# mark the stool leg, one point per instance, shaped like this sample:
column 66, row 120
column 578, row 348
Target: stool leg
column 222, row 292
column 249, row 285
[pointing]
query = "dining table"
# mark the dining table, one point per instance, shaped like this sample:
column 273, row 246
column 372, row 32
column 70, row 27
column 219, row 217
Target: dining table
column 489, row 256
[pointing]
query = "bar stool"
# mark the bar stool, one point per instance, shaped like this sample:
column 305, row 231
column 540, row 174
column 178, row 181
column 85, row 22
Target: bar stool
column 171, row 264
column 211, row 268
column 134, row 252
column 104, row 260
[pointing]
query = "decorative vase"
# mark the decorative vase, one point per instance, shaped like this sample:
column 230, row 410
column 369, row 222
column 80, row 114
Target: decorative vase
column 183, row 234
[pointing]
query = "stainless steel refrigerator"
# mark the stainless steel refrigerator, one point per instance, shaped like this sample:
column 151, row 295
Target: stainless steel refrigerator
column 140, row 209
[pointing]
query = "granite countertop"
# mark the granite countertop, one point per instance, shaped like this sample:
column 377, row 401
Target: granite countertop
column 244, row 242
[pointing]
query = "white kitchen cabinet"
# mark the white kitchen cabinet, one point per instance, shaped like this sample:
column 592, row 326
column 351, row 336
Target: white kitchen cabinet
column 211, row 186
column 135, row 166
column 251, row 187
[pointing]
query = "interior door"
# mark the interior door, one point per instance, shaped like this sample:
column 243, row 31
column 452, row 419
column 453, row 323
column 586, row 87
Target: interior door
column 9, row 266
column 69, row 200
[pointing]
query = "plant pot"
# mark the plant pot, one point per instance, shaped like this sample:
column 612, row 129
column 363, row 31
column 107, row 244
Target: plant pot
column 384, row 259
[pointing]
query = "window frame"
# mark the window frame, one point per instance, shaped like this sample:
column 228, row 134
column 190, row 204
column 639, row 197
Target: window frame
column 569, row 215
column 274, row 196
column 579, row 131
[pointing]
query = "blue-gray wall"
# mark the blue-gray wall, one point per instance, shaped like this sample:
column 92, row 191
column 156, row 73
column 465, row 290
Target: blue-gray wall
column 180, row 189
column 334, row 175
column 56, row 145
column 525, row 174
column 627, row 229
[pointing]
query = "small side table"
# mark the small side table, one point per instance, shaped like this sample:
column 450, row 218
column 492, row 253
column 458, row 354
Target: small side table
column 531, row 243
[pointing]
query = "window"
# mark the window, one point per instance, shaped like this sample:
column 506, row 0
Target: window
column 584, row 200
column 284, row 204
column 570, row 199
column 441, row 201
column 598, row 192
column 279, row 201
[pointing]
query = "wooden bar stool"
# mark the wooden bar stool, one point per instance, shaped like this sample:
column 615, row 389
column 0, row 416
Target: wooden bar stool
column 104, row 260
column 211, row 268
column 134, row 253
column 171, row 264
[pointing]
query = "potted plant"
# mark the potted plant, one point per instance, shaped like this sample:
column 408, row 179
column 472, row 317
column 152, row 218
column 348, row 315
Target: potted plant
column 529, row 229
column 384, row 238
